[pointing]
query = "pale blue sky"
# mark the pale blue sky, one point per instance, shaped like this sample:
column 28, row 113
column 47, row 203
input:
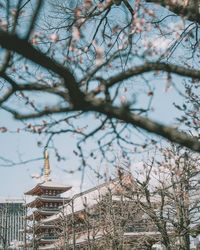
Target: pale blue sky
column 16, row 179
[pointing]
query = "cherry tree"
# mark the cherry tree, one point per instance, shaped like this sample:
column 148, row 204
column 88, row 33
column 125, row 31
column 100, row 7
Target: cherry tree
column 168, row 191
column 64, row 63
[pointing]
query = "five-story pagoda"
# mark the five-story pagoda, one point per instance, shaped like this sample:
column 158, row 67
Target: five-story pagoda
column 46, row 203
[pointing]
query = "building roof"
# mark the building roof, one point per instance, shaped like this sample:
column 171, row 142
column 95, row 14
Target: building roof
column 39, row 228
column 41, row 200
column 91, row 197
column 11, row 200
column 47, row 247
column 50, row 185
column 40, row 213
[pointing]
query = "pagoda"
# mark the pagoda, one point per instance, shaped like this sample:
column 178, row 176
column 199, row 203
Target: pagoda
column 47, row 200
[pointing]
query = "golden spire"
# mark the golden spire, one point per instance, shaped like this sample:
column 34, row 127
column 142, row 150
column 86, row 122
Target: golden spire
column 46, row 166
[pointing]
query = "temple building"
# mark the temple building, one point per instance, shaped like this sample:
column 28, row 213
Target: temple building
column 116, row 214
column 103, row 217
column 46, row 202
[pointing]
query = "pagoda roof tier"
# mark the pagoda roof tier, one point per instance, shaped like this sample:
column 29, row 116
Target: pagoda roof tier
column 47, row 240
column 40, row 228
column 41, row 213
column 47, row 247
column 40, row 188
column 45, row 199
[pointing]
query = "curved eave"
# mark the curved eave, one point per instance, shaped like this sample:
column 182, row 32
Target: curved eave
column 40, row 228
column 47, row 226
column 47, row 247
column 37, row 217
column 46, row 241
column 39, row 214
column 47, row 212
column 34, row 191
column 41, row 200
column 40, row 187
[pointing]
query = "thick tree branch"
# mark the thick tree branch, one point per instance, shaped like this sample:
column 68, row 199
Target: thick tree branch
column 148, row 67
column 21, row 46
column 167, row 132
column 80, row 102
column 45, row 112
column 187, row 9
column 126, row 116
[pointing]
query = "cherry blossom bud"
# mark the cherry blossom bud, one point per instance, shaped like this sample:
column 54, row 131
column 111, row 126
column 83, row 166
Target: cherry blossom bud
column 34, row 41
column 88, row 3
column 75, row 33
column 54, row 37
column 99, row 54
column 123, row 99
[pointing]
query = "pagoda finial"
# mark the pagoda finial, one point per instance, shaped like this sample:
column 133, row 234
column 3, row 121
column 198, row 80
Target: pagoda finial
column 46, row 165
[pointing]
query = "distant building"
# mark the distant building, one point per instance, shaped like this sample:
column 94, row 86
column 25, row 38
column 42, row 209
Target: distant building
column 12, row 212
